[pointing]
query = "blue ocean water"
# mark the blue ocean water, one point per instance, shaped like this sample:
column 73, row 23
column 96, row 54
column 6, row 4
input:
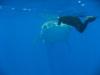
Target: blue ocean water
column 23, row 52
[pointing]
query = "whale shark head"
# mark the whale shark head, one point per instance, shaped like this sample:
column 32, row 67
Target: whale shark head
column 51, row 32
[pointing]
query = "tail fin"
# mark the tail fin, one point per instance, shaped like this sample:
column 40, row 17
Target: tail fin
column 90, row 19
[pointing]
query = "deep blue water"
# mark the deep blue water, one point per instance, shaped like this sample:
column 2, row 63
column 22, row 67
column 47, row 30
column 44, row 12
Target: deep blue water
column 23, row 53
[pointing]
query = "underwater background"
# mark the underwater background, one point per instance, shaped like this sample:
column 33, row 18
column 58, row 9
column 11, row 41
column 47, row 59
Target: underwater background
column 22, row 52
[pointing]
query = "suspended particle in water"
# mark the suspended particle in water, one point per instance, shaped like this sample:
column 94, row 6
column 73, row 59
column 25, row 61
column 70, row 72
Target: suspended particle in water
column 12, row 8
column 29, row 9
column 79, row 1
column 82, row 4
column 24, row 9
